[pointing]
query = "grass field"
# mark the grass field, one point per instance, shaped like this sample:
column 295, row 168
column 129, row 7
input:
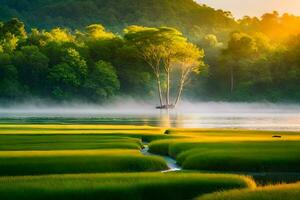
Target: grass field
column 278, row 192
column 78, row 129
column 119, row 186
column 14, row 163
column 105, row 162
column 245, row 151
column 14, row 142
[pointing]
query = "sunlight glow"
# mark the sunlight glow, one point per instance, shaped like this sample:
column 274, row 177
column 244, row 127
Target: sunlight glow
column 240, row 8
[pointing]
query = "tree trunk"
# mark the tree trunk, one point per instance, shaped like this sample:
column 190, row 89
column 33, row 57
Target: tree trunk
column 168, row 89
column 231, row 79
column 159, row 91
column 179, row 95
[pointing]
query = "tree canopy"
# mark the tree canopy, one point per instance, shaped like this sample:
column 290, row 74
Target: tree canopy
column 165, row 49
column 95, row 64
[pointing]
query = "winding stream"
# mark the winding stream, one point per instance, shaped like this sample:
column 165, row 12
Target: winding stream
column 262, row 178
column 171, row 163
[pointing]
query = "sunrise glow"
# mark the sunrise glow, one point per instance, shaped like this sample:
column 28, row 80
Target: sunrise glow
column 240, row 8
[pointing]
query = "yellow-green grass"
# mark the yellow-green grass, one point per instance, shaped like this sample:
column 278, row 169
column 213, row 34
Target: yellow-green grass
column 247, row 151
column 200, row 149
column 67, row 142
column 14, row 163
column 277, row 192
column 145, row 133
column 77, row 126
column 221, row 135
column 245, row 156
column 133, row 186
column 77, row 129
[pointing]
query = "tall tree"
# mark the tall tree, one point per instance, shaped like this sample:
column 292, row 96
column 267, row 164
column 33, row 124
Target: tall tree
column 67, row 77
column 102, row 82
column 163, row 49
column 190, row 59
column 240, row 46
column 32, row 66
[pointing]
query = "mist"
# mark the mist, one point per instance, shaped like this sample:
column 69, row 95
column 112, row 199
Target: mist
column 129, row 106
column 265, row 116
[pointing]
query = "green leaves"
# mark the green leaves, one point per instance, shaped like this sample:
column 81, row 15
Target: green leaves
column 68, row 76
column 102, row 82
column 164, row 49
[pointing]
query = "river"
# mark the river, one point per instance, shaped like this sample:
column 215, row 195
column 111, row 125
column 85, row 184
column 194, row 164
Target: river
column 257, row 116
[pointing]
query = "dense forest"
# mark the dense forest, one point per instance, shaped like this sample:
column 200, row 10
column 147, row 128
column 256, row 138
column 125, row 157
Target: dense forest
column 75, row 49
column 115, row 15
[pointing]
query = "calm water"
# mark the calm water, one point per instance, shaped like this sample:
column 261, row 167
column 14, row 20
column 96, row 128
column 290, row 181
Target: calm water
column 262, row 116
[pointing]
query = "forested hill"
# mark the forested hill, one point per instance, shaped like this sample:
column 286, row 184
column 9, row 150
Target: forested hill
column 115, row 14
column 255, row 58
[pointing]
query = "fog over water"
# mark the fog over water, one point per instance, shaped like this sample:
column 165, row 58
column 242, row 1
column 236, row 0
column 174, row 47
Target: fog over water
column 265, row 116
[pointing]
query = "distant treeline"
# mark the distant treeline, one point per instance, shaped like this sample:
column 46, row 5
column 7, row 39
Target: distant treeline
column 258, row 59
column 115, row 15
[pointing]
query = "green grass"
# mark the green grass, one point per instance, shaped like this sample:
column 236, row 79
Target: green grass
column 133, row 186
column 77, row 129
column 277, row 192
column 245, row 153
column 97, row 161
column 60, row 149
column 244, row 156
column 66, row 142
column 14, row 163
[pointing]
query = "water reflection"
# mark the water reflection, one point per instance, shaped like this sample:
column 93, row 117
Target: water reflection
column 258, row 121
column 201, row 115
column 165, row 119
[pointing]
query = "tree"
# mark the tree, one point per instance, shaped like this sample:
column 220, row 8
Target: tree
column 97, row 31
column 32, row 68
column 100, row 43
column 163, row 49
column 64, row 81
column 151, row 44
column 190, row 60
column 240, row 46
column 11, row 33
column 211, row 41
column 116, row 14
column 149, row 49
column 68, row 76
column 136, row 77
column 9, row 43
column 258, row 62
column 10, row 87
column 102, row 82
column 13, row 27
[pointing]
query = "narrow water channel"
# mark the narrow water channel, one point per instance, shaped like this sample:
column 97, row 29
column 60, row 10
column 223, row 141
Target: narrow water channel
column 261, row 178
column 171, row 163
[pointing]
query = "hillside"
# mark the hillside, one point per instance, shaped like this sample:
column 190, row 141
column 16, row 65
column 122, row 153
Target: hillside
column 115, row 14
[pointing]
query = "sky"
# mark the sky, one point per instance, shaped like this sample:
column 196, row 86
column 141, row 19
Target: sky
column 240, row 8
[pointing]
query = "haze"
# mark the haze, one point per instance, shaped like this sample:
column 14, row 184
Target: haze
column 262, row 116
column 134, row 107
column 240, row 8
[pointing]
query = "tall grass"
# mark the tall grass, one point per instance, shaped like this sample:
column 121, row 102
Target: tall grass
column 49, row 152
column 136, row 186
column 77, row 129
column 277, row 192
column 77, row 161
column 245, row 156
column 74, row 127
column 67, row 142
column 272, row 155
